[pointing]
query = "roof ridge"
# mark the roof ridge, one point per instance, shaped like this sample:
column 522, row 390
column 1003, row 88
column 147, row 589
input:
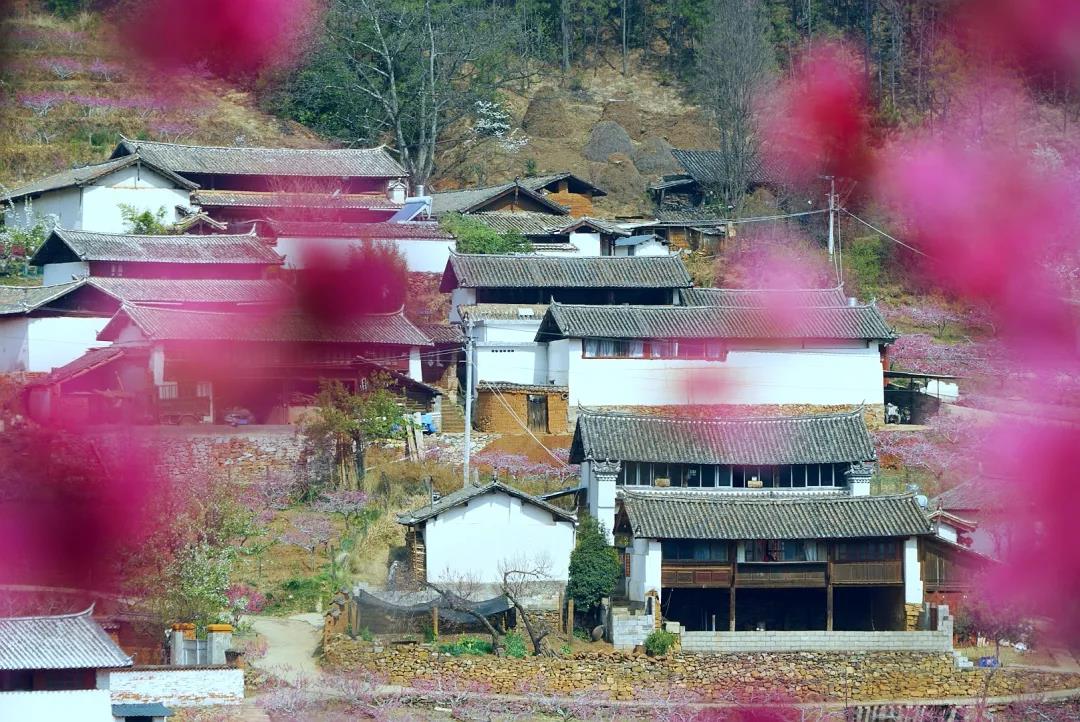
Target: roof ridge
column 137, row 143
column 693, row 419
column 62, row 230
column 70, row 615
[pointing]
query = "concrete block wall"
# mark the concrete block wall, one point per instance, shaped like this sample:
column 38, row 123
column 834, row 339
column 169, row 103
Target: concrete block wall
column 817, row 641
column 177, row 686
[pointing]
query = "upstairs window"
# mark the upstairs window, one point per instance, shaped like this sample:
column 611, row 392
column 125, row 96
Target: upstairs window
column 693, row 550
column 708, row 349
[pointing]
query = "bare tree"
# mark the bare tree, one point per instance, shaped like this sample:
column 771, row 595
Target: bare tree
column 734, row 59
column 457, row 594
column 517, row 578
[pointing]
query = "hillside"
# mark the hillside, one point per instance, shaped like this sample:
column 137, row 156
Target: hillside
column 66, row 91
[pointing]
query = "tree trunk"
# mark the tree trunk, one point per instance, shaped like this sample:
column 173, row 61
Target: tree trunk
column 624, row 37
column 564, row 27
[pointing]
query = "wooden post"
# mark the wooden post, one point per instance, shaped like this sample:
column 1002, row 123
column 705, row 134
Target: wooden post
column 562, row 621
column 435, row 623
column 828, row 606
column 731, row 607
column 570, row 617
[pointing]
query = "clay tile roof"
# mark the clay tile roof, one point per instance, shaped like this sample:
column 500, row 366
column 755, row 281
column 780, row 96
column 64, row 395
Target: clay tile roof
column 666, row 514
column 812, row 439
column 463, row 496
column 209, row 249
column 538, row 183
column 706, row 166
column 442, row 333
column 532, row 271
column 385, row 230
column 711, row 322
column 276, row 199
column 764, row 297
column 88, row 174
column 470, row 199
column 218, row 160
column 156, row 290
column 167, row 324
column 92, row 359
column 64, row 641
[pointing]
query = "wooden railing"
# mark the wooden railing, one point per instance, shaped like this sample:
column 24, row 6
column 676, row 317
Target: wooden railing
column 887, row 572
column 781, row 574
column 695, row 574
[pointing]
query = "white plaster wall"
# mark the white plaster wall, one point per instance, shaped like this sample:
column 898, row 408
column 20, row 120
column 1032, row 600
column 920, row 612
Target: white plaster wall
column 913, row 586
column 470, row 542
column 558, row 362
column 747, row 376
column 177, row 686
column 58, row 340
column 14, row 349
column 947, row 531
column 648, row 248
column 65, row 205
column 54, row 273
column 601, row 497
column 519, row 363
column 513, row 330
column 83, row 705
column 421, row 256
column 139, row 187
column 645, row 561
column 588, row 244
column 460, row 297
column 416, row 367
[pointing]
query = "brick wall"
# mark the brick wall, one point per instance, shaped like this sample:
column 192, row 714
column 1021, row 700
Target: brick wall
column 578, row 203
column 492, row 416
column 178, row 686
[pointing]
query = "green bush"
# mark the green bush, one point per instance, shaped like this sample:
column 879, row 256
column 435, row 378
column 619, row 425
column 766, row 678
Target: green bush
column 366, row 635
column 475, row 237
column 473, row 646
column 594, row 567
column 865, row 262
column 659, row 642
column 514, row 644
column 297, row 594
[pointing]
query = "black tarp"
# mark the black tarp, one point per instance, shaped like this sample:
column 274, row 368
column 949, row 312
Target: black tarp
column 486, row 608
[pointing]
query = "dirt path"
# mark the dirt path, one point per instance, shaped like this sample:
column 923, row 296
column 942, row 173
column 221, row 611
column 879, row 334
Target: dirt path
column 290, row 645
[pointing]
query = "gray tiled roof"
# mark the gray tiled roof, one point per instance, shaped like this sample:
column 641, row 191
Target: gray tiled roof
column 816, row 439
column 675, row 322
column 149, row 290
column 88, row 174
column 217, row 249
column 527, row 223
column 979, row 494
column 537, row 182
column 184, row 325
column 666, row 514
column 531, row 271
column 92, row 359
column 218, row 160
column 65, row 641
column 706, row 167
column 469, row 199
column 504, row 311
column 23, row 299
column 764, row 297
column 274, row 199
column 442, row 333
column 385, row 230
column 463, row 496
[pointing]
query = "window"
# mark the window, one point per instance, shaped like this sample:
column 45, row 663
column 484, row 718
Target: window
column 694, row 550
column 867, row 551
column 204, row 389
column 168, row 390
column 656, row 349
column 116, row 269
column 784, row 550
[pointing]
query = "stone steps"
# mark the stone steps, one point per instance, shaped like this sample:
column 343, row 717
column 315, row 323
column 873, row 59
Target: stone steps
column 453, row 417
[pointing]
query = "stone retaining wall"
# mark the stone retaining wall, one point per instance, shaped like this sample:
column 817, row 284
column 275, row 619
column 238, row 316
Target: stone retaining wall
column 811, row 641
column 177, row 686
column 809, row 676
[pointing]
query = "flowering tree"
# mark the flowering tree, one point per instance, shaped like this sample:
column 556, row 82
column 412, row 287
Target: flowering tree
column 41, row 103
column 351, row 505
column 308, row 531
column 244, row 599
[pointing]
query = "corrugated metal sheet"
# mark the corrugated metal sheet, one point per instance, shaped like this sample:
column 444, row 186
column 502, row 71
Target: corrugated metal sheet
column 218, row 160
column 67, row 641
column 688, row 515
column 817, row 439
column 529, row 271
column 711, row 322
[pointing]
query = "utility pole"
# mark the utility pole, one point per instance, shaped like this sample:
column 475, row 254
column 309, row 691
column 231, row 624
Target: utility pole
column 832, row 214
column 468, row 395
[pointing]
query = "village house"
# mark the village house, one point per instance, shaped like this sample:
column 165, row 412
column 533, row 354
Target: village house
column 558, row 194
column 500, row 301
column 553, row 235
column 751, row 350
column 55, row 668
column 473, row 534
column 199, row 366
column 753, row 523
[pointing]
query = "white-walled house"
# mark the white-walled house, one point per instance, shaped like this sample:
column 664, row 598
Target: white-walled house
column 91, row 197
column 424, row 244
column 628, row 356
column 648, row 244
column 753, row 523
column 474, row 533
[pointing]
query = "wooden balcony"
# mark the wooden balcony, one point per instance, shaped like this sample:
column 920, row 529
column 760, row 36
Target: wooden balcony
column 695, row 574
column 781, row 574
column 854, row 573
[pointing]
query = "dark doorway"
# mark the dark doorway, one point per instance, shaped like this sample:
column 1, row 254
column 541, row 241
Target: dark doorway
column 871, row 609
column 780, row 609
column 538, row 413
column 698, row 610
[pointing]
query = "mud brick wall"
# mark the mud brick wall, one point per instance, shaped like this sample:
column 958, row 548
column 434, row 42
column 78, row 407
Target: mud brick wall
column 493, row 416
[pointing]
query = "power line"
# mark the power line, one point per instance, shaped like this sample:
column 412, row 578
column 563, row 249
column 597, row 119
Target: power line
column 895, row 240
column 499, row 396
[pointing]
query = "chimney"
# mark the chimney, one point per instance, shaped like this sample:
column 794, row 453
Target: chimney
column 858, row 478
column 852, row 301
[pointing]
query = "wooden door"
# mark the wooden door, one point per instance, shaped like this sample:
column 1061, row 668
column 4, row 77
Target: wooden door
column 538, row 413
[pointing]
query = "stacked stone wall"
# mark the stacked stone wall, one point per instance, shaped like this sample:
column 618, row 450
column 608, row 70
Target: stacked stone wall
column 806, row 676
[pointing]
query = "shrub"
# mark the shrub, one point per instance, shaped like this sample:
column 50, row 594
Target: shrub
column 366, row 635
column 659, row 643
column 594, row 567
column 472, row 646
column 474, row 236
column 514, row 644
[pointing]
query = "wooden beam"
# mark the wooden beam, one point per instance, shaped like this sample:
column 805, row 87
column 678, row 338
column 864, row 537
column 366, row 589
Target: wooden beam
column 733, row 554
column 435, row 623
column 829, row 607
